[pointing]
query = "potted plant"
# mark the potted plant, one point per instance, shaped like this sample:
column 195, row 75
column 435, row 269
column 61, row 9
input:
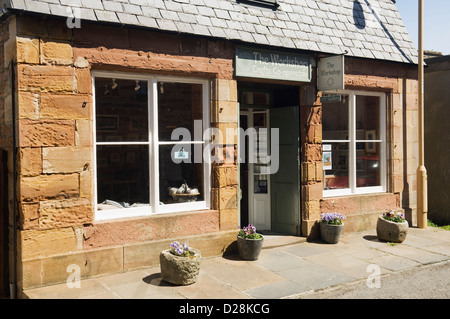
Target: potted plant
column 392, row 227
column 249, row 243
column 331, row 226
column 180, row 265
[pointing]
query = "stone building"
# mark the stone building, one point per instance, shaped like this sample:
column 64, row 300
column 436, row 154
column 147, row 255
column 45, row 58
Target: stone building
column 437, row 140
column 93, row 92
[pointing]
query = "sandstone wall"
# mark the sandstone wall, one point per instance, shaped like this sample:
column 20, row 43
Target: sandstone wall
column 55, row 136
column 399, row 82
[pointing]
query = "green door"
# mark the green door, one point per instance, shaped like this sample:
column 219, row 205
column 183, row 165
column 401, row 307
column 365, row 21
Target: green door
column 285, row 184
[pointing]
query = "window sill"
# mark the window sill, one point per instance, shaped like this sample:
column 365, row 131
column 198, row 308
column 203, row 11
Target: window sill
column 126, row 213
column 347, row 192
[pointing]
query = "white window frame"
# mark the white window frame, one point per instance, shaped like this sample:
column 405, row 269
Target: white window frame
column 153, row 145
column 352, row 141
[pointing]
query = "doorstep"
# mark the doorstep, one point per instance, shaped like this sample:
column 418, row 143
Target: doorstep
column 273, row 240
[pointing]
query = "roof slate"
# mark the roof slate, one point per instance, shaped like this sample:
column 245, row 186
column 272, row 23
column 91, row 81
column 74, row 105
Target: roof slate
column 360, row 28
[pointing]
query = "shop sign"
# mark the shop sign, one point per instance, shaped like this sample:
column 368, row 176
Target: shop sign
column 330, row 73
column 273, row 65
column 331, row 98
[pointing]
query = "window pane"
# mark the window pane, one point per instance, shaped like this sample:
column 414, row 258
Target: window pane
column 336, row 164
column 177, row 169
column 179, row 105
column 368, row 164
column 121, row 110
column 367, row 118
column 123, row 175
column 335, row 119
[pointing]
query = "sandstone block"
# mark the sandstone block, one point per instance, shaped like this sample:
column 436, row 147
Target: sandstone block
column 37, row 243
column 46, row 133
column 31, row 273
column 224, row 176
column 227, row 133
column 29, row 217
column 56, row 52
column 84, row 81
column 229, row 219
column 65, row 106
column 28, row 105
column 308, row 173
column 224, row 111
column 63, row 213
column 228, row 198
column 312, row 192
column 27, row 50
column 83, row 133
column 30, row 161
column 44, row 187
column 224, row 90
column 65, row 159
column 311, row 209
column 91, row 263
column 86, row 184
column 46, row 78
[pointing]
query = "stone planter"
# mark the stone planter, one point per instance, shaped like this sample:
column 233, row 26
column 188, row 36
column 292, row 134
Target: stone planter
column 249, row 249
column 330, row 233
column 391, row 231
column 179, row 270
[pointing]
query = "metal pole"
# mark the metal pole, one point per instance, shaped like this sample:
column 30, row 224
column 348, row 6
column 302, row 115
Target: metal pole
column 422, row 195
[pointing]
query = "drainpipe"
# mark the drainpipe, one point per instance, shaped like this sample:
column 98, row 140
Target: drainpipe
column 422, row 195
column 13, row 278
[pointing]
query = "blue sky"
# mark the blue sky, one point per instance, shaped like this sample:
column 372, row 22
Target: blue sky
column 436, row 23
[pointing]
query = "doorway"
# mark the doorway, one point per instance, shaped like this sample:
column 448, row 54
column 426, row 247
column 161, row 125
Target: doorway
column 269, row 158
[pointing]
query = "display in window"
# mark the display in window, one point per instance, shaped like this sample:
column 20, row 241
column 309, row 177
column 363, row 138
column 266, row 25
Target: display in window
column 184, row 193
column 337, row 172
column 181, row 180
column 370, row 146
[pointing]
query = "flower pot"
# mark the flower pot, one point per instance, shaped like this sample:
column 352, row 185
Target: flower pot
column 249, row 249
column 391, row 231
column 330, row 233
column 179, row 270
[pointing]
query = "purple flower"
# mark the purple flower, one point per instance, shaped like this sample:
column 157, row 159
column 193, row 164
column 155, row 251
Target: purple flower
column 332, row 218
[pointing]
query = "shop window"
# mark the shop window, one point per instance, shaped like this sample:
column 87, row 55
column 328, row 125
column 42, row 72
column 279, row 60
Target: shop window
column 353, row 143
column 143, row 168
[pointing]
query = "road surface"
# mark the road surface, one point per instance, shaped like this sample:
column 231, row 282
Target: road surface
column 425, row 282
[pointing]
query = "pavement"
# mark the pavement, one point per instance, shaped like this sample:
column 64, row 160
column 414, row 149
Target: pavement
column 288, row 267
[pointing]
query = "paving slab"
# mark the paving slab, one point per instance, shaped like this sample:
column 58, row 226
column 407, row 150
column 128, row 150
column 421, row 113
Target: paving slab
column 394, row 263
column 210, row 287
column 419, row 255
column 316, row 276
column 88, row 289
column 278, row 260
column 278, row 290
column 139, row 284
column 239, row 273
column 342, row 263
column 305, row 250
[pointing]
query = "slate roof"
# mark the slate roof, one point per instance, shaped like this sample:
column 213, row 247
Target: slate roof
column 364, row 28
